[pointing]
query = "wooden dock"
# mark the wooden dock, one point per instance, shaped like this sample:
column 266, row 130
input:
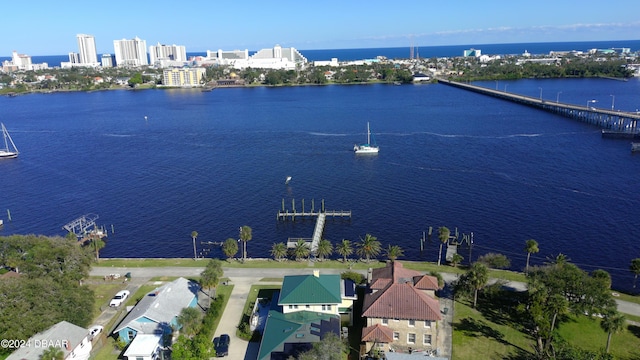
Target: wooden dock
column 320, row 215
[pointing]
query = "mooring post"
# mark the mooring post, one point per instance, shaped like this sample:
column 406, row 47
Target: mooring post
column 302, row 206
column 322, row 205
column 282, row 204
column 312, row 205
column 293, row 205
column 9, row 214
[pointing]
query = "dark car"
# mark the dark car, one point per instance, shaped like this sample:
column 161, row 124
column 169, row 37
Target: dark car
column 221, row 345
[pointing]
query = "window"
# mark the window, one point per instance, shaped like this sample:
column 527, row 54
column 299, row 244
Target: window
column 426, row 339
column 308, row 306
column 131, row 334
column 326, row 307
column 411, row 338
column 396, row 320
column 385, row 321
column 290, row 307
column 396, row 336
column 427, row 324
column 295, row 306
column 412, row 323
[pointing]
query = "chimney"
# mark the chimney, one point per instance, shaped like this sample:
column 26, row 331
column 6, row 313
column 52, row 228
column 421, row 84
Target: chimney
column 316, row 273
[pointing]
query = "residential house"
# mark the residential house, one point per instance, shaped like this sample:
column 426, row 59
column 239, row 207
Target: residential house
column 157, row 312
column 307, row 308
column 144, row 347
column 73, row 340
column 401, row 311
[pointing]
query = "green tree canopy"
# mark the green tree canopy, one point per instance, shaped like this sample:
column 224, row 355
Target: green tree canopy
column 230, row 247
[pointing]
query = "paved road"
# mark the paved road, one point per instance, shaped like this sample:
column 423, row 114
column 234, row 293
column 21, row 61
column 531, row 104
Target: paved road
column 243, row 278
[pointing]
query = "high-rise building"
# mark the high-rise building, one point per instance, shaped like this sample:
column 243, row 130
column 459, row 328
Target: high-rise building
column 130, row 52
column 87, row 49
column 159, row 54
column 107, row 60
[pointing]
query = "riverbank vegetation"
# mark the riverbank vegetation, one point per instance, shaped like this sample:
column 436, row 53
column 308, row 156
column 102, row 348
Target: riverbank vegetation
column 42, row 284
column 381, row 71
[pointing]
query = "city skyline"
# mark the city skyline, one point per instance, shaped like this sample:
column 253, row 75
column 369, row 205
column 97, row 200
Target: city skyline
column 332, row 24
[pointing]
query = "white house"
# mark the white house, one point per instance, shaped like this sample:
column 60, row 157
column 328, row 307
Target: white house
column 72, row 339
column 144, row 347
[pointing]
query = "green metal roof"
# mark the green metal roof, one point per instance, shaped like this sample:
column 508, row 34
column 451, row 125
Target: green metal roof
column 298, row 327
column 310, row 289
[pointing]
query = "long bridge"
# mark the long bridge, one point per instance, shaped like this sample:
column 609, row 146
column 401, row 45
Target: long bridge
column 615, row 123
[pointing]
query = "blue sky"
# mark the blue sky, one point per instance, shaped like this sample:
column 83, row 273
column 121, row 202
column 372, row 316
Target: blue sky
column 49, row 27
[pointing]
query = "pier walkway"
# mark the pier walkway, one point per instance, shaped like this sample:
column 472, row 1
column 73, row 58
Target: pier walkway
column 614, row 123
column 320, row 215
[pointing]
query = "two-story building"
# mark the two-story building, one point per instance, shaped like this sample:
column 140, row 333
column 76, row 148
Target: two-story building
column 306, row 309
column 401, row 311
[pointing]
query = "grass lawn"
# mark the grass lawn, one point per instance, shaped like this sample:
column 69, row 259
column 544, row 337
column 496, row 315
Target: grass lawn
column 488, row 337
column 103, row 295
column 326, row 264
column 586, row 333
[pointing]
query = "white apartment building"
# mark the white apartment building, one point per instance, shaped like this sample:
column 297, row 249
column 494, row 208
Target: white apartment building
column 21, row 62
column 273, row 58
column 87, row 49
column 167, row 55
column 130, row 52
column 106, row 60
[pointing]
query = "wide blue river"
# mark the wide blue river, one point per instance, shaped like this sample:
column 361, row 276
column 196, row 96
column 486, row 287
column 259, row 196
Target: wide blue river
column 158, row 164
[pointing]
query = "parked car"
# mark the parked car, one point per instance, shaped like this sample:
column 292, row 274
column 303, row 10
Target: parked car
column 221, row 345
column 120, row 297
column 94, row 331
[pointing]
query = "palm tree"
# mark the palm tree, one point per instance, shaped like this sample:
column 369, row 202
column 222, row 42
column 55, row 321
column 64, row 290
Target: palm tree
column 393, row 252
column 368, row 247
column 98, row 244
column 325, row 248
column 443, row 235
column 230, row 247
column 211, row 275
column 344, row 249
column 245, row 235
column 456, row 259
column 478, row 276
column 194, row 235
column 52, row 353
column 189, row 320
column 279, row 251
column 531, row 248
column 635, row 269
column 301, row 250
column 611, row 323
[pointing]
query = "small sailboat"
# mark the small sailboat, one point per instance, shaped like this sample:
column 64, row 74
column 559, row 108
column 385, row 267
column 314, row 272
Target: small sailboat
column 10, row 150
column 367, row 148
column 286, row 182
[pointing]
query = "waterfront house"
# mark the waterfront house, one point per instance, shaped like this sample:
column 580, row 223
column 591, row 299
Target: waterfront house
column 401, row 311
column 144, row 347
column 307, row 308
column 73, row 340
column 157, row 312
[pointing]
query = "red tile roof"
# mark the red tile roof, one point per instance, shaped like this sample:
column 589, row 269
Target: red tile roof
column 394, row 272
column 401, row 301
column 377, row 333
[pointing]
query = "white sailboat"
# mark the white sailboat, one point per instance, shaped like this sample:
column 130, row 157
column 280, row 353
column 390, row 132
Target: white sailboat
column 367, row 148
column 10, row 150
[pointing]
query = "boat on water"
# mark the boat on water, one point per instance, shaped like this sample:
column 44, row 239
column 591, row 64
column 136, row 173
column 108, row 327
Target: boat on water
column 10, row 150
column 367, row 148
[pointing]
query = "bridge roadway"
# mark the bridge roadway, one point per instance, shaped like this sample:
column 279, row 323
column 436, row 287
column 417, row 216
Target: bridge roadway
column 620, row 122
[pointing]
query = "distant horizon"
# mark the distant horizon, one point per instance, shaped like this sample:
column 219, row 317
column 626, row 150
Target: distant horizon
column 365, row 48
column 332, row 24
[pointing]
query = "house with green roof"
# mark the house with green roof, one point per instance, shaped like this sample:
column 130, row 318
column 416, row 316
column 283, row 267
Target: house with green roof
column 307, row 308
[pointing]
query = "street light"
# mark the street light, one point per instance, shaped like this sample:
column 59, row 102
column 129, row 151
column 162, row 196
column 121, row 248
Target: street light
column 496, row 84
column 540, row 93
column 558, row 97
column 505, row 87
column 613, row 100
column 591, row 101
